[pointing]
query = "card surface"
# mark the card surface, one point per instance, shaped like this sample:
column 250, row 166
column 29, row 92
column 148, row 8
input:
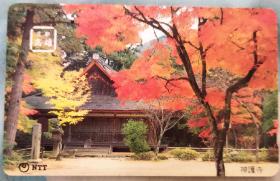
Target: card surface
column 123, row 90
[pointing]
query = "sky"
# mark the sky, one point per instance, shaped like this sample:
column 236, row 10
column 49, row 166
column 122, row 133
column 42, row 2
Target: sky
column 149, row 34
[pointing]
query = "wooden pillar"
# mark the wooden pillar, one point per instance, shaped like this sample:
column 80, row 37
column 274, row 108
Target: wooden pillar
column 69, row 134
column 36, row 141
column 114, row 129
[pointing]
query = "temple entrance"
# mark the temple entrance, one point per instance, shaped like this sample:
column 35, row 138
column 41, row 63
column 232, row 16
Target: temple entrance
column 95, row 131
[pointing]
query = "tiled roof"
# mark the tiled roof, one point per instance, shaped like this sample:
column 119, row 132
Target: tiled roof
column 97, row 102
column 102, row 102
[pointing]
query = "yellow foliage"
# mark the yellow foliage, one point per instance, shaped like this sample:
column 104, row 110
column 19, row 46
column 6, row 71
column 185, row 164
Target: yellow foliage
column 25, row 124
column 67, row 91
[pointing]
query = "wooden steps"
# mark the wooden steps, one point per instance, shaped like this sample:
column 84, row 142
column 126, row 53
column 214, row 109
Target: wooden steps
column 83, row 152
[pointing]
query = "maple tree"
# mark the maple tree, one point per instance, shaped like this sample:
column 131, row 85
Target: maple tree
column 66, row 90
column 163, row 103
column 199, row 39
column 161, row 119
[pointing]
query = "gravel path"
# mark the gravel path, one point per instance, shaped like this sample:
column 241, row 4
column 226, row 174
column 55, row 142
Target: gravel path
column 126, row 167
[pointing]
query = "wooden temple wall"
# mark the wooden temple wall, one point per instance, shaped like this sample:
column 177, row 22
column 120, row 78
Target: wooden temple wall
column 99, row 131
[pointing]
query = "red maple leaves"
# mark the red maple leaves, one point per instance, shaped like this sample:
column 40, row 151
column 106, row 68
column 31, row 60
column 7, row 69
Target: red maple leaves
column 231, row 39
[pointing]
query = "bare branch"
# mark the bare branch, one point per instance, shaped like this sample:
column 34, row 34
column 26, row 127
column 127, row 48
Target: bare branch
column 240, row 47
column 155, row 34
column 150, row 21
column 192, row 45
column 169, row 81
column 242, row 82
column 222, row 16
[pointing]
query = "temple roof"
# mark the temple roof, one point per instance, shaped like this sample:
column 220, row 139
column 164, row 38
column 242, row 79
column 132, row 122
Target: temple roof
column 97, row 102
column 106, row 69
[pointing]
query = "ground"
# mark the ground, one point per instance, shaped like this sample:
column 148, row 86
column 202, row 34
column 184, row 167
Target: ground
column 99, row 166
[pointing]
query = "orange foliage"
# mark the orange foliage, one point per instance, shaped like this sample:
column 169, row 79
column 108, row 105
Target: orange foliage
column 105, row 25
column 215, row 97
column 228, row 32
column 26, row 86
column 194, row 123
column 227, row 35
column 25, row 110
column 145, row 79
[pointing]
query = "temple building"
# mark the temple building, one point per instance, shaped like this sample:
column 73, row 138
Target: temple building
column 102, row 126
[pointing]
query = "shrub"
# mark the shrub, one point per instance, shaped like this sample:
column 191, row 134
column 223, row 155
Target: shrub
column 184, row 154
column 162, row 157
column 143, row 156
column 208, row 156
column 230, row 156
column 135, row 136
column 241, row 156
column 263, row 154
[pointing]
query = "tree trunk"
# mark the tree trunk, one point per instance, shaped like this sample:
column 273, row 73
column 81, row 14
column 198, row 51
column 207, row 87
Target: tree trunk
column 16, row 92
column 257, row 142
column 218, row 152
column 158, row 145
column 235, row 137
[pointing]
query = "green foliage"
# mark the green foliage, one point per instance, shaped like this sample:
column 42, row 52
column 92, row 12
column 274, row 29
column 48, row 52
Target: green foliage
column 263, row 154
column 52, row 15
column 184, row 153
column 12, row 56
column 230, row 156
column 47, row 14
column 208, row 156
column 11, row 162
column 270, row 110
column 135, row 136
column 67, row 39
column 16, row 18
column 242, row 156
column 144, row 156
column 123, row 59
column 149, row 156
